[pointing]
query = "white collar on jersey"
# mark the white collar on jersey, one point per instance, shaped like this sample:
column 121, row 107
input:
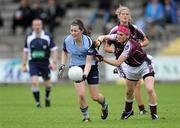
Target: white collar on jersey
column 42, row 33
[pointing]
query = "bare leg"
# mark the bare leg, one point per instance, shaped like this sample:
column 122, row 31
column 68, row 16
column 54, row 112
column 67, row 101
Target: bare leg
column 149, row 84
column 98, row 97
column 138, row 98
column 81, row 90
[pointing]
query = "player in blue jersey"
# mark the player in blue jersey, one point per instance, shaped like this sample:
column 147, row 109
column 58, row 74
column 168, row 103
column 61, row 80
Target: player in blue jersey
column 37, row 49
column 139, row 65
column 81, row 51
column 124, row 16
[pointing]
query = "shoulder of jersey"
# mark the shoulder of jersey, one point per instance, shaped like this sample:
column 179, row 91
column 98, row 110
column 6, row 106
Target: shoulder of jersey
column 29, row 34
column 68, row 38
column 47, row 33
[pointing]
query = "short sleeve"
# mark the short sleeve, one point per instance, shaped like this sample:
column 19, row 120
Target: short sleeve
column 25, row 44
column 64, row 47
column 52, row 44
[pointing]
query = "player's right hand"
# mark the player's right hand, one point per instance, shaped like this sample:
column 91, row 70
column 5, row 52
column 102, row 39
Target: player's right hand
column 61, row 71
column 100, row 38
column 99, row 41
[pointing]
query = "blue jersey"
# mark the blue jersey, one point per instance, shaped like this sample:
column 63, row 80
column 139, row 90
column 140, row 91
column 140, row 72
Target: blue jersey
column 78, row 54
column 39, row 48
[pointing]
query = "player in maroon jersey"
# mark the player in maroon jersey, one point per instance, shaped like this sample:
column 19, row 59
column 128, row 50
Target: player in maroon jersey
column 124, row 16
column 139, row 66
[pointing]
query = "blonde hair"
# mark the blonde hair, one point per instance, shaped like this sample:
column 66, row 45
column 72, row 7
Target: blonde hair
column 121, row 8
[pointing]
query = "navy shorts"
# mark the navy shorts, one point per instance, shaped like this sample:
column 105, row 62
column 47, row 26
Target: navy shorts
column 93, row 76
column 39, row 69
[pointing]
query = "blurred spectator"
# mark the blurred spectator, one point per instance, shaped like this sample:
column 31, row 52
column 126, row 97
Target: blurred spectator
column 55, row 14
column 113, row 20
column 22, row 16
column 154, row 20
column 69, row 4
column 1, row 20
column 154, row 13
column 170, row 11
column 103, row 10
column 38, row 12
column 140, row 23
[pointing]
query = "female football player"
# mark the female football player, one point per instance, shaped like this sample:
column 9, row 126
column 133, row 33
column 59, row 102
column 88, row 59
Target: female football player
column 79, row 46
column 139, row 66
column 124, row 16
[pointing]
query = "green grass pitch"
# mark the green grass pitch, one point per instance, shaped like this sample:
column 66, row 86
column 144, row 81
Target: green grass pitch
column 17, row 108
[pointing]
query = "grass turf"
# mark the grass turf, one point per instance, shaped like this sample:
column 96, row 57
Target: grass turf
column 17, row 108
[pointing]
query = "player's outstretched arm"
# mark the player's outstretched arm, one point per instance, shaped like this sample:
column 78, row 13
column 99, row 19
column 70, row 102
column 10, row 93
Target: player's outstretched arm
column 117, row 62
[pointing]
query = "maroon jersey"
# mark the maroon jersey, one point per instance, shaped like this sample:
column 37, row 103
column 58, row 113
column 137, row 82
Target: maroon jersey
column 134, row 53
column 118, row 48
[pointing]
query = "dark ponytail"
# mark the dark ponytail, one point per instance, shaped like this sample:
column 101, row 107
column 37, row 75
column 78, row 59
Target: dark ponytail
column 80, row 24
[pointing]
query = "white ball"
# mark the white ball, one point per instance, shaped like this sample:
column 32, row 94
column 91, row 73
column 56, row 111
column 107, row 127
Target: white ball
column 75, row 73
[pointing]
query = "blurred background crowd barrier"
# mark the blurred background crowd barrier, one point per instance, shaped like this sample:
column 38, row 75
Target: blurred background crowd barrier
column 163, row 31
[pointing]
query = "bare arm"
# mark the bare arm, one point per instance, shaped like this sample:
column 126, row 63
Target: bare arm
column 144, row 42
column 63, row 62
column 117, row 62
column 53, row 65
column 88, row 64
column 24, row 61
column 55, row 56
column 25, row 57
column 63, row 57
column 104, row 38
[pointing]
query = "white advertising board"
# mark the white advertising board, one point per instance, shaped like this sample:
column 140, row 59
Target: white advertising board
column 167, row 68
column 10, row 70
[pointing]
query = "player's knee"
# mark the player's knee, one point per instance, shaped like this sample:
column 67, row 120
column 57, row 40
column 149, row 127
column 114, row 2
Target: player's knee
column 34, row 84
column 48, row 87
column 129, row 94
column 95, row 98
column 150, row 92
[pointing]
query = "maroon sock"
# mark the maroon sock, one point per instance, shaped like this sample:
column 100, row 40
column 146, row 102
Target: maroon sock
column 128, row 106
column 153, row 109
column 141, row 107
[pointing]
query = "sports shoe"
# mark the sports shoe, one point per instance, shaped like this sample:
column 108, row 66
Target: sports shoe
column 142, row 112
column 125, row 115
column 47, row 103
column 38, row 105
column 86, row 120
column 154, row 117
column 104, row 112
